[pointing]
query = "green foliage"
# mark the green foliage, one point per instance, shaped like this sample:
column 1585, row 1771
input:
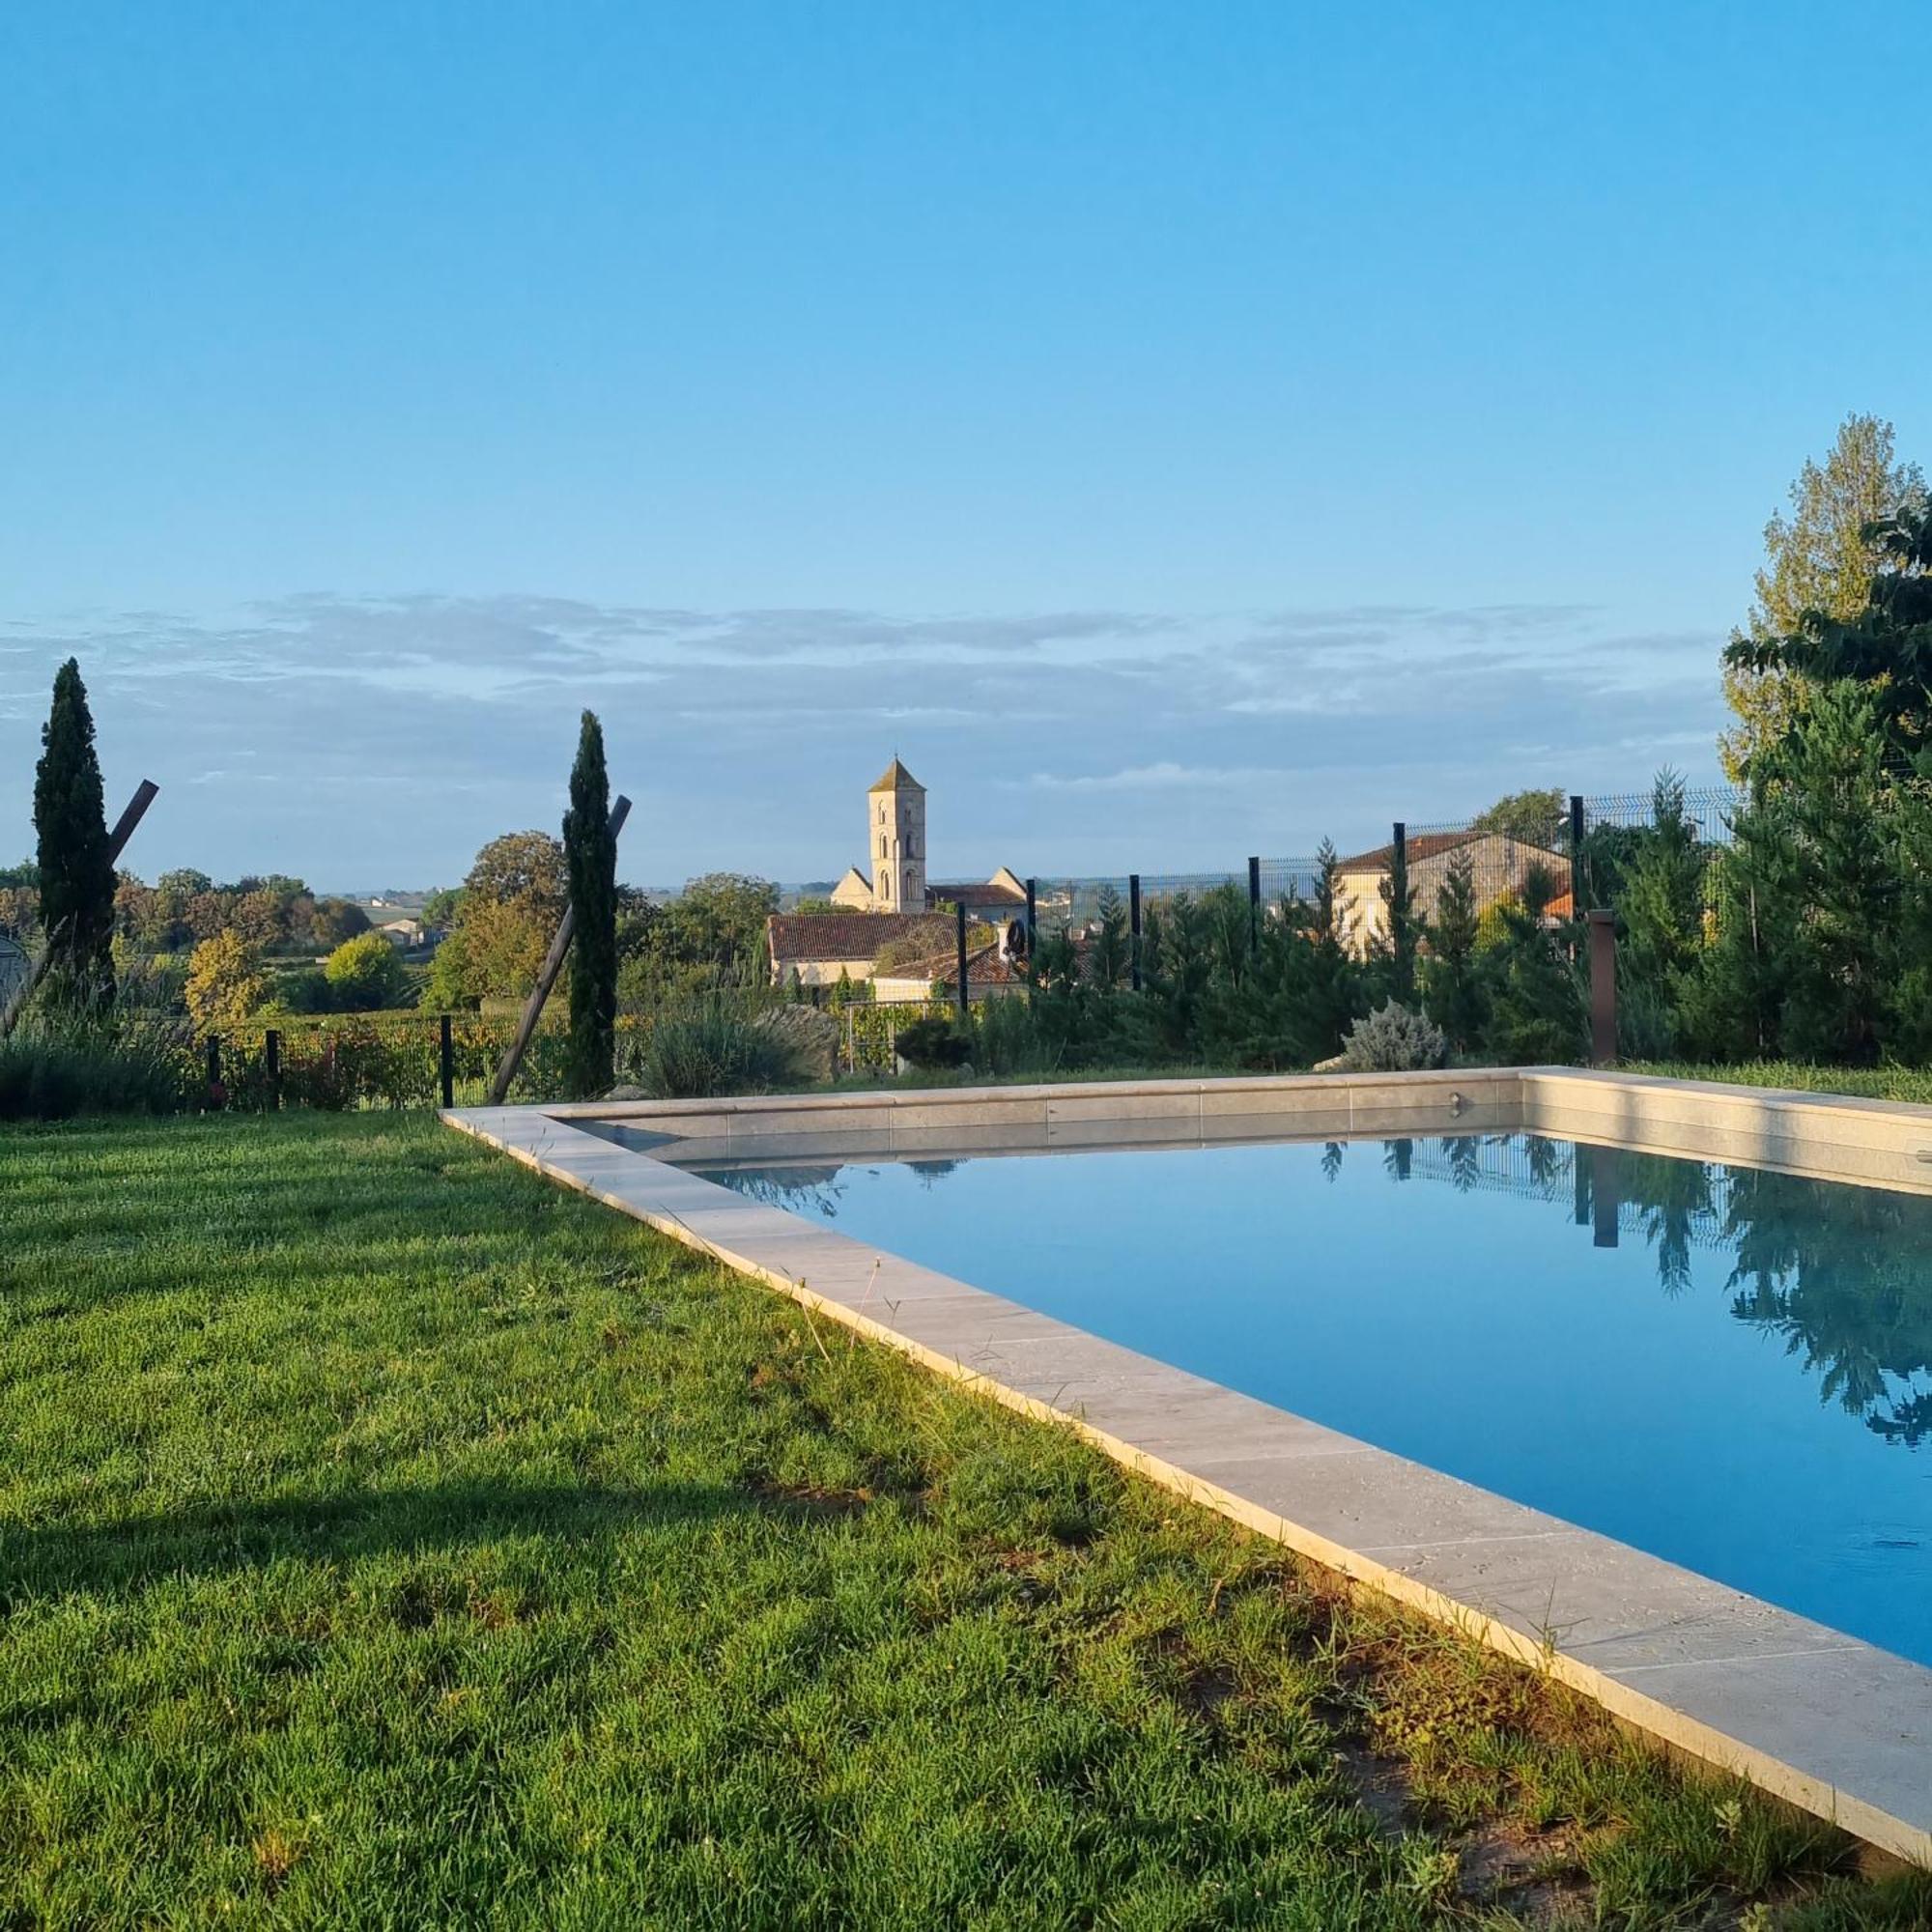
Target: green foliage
column 711, row 938
column 1538, row 817
column 364, row 973
column 1820, row 564
column 546, row 1574
column 934, row 1042
column 1392, row 1039
column 1536, row 1005
column 1455, row 990
column 53, row 1074
column 1108, row 964
column 75, row 880
column 335, row 920
column 590, row 853
column 512, row 903
column 715, row 1044
column 225, row 983
column 1886, row 647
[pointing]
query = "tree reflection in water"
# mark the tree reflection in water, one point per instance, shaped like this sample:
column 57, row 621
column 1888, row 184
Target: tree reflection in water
column 1842, row 1272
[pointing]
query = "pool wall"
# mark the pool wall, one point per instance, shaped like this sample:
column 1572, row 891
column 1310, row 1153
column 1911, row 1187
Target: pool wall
column 1821, row 1719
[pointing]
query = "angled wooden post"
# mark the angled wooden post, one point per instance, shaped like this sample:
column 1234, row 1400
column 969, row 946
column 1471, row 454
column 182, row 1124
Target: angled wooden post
column 145, row 794
column 552, row 965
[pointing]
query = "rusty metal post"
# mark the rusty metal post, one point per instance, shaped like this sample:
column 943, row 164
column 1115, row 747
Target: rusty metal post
column 1602, row 987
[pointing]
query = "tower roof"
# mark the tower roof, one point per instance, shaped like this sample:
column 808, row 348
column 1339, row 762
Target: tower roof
column 897, row 779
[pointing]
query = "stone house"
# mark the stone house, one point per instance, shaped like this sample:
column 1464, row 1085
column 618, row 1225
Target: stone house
column 1498, row 865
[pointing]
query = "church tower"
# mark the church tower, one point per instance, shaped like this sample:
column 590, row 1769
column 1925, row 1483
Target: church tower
column 895, row 838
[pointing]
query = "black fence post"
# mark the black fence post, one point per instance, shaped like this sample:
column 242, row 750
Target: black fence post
column 1033, row 935
column 272, row 1055
column 1134, row 929
column 213, row 1063
column 1254, row 905
column 1579, row 899
column 446, row 1060
column 959, row 915
column 1398, row 904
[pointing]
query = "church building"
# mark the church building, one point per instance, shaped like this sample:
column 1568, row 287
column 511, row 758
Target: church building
column 895, row 853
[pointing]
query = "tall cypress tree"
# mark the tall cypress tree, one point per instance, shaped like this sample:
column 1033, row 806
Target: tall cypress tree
column 76, row 879
column 590, row 853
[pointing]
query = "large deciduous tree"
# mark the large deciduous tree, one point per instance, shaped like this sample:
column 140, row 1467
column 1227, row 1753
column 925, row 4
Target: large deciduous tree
column 591, row 855
column 512, row 902
column 1820, row 565
column 76, row 880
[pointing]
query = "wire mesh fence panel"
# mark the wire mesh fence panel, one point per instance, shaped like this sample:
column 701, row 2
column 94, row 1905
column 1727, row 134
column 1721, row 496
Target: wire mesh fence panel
column 1614, row 826
column 1157, row 888
column 1283, row 878
column 1710, row 810
column 1076, row 902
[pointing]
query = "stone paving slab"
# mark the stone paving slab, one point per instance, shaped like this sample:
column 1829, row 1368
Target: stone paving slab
column 1821, row 1719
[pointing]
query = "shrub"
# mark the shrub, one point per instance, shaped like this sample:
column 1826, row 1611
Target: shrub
column 53, row 1076
column 365, row 974
column 1392, row 1039
column 933, row 1043
column 713, row 1046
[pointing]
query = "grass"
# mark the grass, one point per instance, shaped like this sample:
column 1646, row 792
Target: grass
column 390, row 1539
column 1871, row 1082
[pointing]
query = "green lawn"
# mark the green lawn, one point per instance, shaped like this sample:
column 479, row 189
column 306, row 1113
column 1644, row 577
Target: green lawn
column 1871, row 1083
column 389, row 1538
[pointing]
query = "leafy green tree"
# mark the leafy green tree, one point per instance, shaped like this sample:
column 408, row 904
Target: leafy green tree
column 1537, row 817
column 332, row 920
column 513, row 901
column 225, row 981
column 1885, row 648
column 76, row 880
column 1820, row 565
column 590, row 852
column 365, row 974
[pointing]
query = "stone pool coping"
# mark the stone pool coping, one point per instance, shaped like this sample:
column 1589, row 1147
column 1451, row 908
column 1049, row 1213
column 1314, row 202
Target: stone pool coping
column 1821, row 1719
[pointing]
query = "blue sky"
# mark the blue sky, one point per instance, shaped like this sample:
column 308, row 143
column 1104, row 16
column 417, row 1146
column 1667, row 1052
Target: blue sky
column 1178, row 431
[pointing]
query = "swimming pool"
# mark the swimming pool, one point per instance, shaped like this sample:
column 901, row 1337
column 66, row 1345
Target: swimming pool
column 1726, row 1367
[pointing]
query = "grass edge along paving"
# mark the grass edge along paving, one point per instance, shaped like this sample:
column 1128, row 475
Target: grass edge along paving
column 390, row 1536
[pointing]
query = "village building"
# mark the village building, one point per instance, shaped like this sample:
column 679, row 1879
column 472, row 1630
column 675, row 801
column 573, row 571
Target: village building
column 1498, row 865
column 823, row 948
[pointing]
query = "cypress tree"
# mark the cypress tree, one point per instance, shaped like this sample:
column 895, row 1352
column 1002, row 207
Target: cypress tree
column 76, row 879
column 591, row 855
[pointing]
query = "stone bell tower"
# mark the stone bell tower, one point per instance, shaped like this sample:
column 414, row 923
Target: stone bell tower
column 895, row 838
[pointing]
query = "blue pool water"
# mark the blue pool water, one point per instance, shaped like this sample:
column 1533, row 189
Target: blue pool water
column 1729, row 1367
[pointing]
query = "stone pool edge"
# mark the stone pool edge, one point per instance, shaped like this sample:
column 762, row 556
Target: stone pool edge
column 1820, row 1719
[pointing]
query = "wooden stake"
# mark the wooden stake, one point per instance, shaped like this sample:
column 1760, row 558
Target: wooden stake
column 513, row 1058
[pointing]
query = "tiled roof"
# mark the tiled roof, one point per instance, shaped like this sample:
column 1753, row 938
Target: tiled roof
column 985, row 892
column 897, row 779
column 848, row 935
column 1432, row 845
column 983, row 966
